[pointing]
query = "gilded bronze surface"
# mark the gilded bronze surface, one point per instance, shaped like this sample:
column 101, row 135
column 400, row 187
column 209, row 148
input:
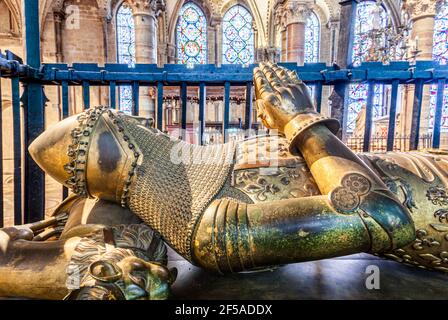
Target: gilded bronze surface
column 266, row 201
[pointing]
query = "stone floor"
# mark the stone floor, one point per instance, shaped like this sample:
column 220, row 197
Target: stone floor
column 342, row 278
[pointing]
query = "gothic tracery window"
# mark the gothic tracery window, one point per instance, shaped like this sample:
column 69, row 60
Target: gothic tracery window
column 238, row 36
column 312, row 38
column 191, row 35
column 125, row 51
column 368, row 16
column 440, row 54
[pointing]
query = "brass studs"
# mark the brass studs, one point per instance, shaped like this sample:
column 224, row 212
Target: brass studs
column 77, row 152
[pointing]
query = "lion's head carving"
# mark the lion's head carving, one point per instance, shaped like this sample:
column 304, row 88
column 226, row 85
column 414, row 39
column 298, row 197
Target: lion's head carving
column 121, row 262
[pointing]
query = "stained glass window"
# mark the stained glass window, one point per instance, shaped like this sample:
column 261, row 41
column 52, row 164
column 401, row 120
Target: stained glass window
column 440, row 47
column 440, row 54
column 238, row 39
column 191, row 35
column 368, row 16
column 125, row 51
column 312, row 38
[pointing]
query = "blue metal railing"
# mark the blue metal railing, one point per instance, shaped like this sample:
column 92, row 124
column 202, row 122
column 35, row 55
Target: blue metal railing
column 86, row 76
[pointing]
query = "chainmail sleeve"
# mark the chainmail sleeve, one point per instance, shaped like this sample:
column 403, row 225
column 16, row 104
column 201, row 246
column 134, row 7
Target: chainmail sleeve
column 175, row 182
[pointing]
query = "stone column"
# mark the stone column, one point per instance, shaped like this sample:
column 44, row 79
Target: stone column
column 280, row 22
column 171, row 52
column 422, row 14
column 58, row 26
column 212, row 46
column 284, row 43
column 216, row 33
column 145, row 21
column 145, row 14
column 162, row 53
column 333, row 25
column 343, row 59
column 256, row 46
column 295, row 12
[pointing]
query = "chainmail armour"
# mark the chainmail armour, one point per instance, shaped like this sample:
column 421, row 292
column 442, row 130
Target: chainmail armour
column 171, row 196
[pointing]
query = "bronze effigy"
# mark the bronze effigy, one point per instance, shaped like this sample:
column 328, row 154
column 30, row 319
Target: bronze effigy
column 266, row 201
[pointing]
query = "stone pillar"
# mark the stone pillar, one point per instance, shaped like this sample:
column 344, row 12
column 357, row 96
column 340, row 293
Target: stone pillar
column 284, row 43
column 212, row 48
column 333, row 25
column 256, row 46
column 161, row 47
column 422, row 14
column 145, row 14
column 280, row 22
column 296, row 43
column 343, row 60
column 171, row 52
column 58, row 26
column 145, row 21
column 295, row 13
column 216, row 30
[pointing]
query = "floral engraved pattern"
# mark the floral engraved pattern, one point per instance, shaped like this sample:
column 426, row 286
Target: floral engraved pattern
column 347, row 197
column 438, row 196
column 344, row 199
column 406, row 196
column 357, row 184
column 423, row 240
column 282, row 183
column 442, row 214
column 261, row 188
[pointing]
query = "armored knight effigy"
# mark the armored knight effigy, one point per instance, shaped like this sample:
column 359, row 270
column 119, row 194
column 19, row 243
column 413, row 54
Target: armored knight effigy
column 303, row 196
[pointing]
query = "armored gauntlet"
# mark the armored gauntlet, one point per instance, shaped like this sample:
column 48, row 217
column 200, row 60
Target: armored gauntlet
column 284, row 103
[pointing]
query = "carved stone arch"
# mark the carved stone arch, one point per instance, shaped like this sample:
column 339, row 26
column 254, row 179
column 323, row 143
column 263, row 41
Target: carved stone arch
column 271, row 25
column 58, row 5
column 331, row 8
column 14, row 8
column 394, row 11
column 323, row 11
column 164, row 33
column 115, row 6
column 47, row 7
column 172, row 25
column 105, row 8
column 50, row 6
